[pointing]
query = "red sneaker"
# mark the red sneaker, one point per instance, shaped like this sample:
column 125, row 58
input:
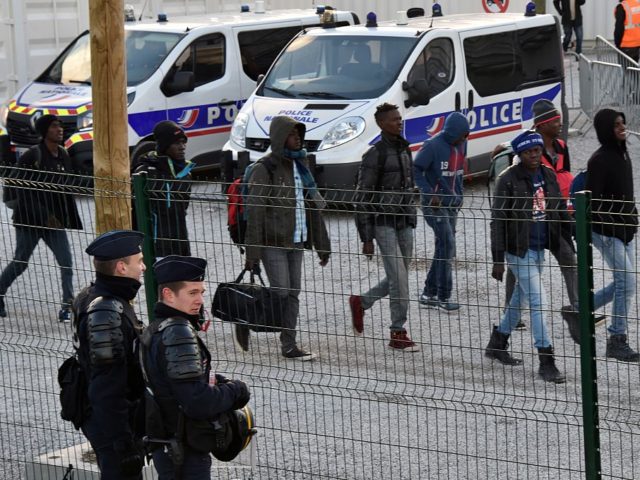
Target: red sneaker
column 401, row 341
column 357, row 314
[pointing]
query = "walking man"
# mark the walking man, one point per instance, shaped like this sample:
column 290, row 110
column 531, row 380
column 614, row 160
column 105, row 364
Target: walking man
column 169, row 189
column 284, row 217
column 384, row 202
column 43, row 210
column 527, row 216
column 439, row 171
column 571, row 19
column 106, row 331
column 615, row 223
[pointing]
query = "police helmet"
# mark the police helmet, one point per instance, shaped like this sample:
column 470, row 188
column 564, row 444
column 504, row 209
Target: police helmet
column 241, row 428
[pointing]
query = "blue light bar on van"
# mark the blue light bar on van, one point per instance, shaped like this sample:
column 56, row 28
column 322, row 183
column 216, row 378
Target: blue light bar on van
column 530, row 11
column 244, row 8
column 320, row 9
column 372, row 20
column 162, row 18
column 436, row 10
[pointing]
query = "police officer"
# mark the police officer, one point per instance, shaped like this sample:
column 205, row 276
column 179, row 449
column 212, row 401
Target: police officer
column 177, row 365
column 105, row 334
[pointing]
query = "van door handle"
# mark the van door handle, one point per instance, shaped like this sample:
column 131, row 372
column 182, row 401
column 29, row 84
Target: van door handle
column 457, row 107
column 226, row 103
column 470, row 102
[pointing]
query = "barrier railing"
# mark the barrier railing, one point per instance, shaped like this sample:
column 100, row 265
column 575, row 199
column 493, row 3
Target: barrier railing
column 360, row 410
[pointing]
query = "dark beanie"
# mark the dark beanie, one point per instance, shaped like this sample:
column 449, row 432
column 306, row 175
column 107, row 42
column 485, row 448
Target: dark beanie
column 43, row 124
column 166, row 134
column 544, row 111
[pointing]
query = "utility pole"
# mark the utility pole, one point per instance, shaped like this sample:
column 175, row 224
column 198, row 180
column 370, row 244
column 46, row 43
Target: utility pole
column 109, row 86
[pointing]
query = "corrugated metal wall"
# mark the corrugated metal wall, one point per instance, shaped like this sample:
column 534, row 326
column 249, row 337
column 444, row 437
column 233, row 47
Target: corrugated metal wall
column 33, row 32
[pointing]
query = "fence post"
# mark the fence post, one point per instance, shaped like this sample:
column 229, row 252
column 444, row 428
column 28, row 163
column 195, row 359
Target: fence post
column 143, row 224
column 590, row 417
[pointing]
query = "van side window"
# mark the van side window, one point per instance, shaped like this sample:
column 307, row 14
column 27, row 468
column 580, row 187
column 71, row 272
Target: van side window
column 436, row 65
column 509, row 61
column 205, row 58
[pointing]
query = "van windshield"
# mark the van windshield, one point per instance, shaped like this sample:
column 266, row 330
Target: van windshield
column 145, row 52
column 337, row 67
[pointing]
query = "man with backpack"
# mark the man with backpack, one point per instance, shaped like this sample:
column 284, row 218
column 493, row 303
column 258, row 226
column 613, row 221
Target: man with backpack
column 439, row 170
column 385, row 212
column 43, row 210
column 169, row 189
column 284, row 216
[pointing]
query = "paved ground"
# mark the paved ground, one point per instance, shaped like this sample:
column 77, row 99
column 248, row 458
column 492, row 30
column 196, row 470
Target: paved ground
column 360, row 411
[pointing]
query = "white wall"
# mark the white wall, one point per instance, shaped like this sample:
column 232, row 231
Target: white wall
column 33, row 32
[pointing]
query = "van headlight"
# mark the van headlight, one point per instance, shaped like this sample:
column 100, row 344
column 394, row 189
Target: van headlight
column 85, row 121
column 239, row 129
column 344, row 131
column 4, row 113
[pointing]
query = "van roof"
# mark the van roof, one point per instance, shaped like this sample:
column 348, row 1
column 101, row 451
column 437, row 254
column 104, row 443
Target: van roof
column 459, row 22
column 180, row 24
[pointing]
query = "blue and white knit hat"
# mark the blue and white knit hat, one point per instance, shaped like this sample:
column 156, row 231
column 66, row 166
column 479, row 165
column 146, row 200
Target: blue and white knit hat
column 526, row 140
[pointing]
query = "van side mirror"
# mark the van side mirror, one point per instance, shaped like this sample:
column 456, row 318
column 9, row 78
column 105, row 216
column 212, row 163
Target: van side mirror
column 180, row 82
column 260, row 78
column 417, row 92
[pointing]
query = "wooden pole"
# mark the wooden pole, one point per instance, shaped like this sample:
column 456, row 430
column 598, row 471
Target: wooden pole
column 109, row 86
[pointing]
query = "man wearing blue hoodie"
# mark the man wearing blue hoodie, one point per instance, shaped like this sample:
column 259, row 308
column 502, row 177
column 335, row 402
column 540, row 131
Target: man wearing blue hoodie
column 438, row 170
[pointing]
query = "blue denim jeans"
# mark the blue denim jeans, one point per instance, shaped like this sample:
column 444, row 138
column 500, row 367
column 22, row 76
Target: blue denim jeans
column 27, row 239
column 619, row 258
column 568, row 29
column 396, row 248
column 439, row 282
column 196, row 466
column 529, row 289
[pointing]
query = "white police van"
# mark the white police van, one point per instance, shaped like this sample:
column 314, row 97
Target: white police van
column 196, row 71
column 492, row 67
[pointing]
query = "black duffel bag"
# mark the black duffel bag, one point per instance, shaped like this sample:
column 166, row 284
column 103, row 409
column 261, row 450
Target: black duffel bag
column 250, row 303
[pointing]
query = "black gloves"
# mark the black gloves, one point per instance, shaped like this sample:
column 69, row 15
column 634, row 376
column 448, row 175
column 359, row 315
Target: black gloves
column 131, row 457
column 241, row 392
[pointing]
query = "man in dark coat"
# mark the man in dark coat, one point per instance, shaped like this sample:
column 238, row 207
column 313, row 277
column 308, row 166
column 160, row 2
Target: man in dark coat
column 177, row 363
column 615, row 224
column 106, row 330
column 528, row 216
column 284, row 216
column 386, row 213
column 169, row 189
column 571, row 19
column 43, row 210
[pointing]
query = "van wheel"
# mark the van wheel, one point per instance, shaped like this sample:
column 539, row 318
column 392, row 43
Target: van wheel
column 141, row 149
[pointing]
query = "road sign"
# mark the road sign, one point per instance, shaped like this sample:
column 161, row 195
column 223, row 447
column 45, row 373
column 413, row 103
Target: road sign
column 495, row 6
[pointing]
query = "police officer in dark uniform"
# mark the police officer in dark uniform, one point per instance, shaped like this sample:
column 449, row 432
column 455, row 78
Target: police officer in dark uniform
column 105, row 336
column 185, row 392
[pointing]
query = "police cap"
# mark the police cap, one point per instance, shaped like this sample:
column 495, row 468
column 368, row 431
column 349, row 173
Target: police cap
column 116, row 244
column 176, row 268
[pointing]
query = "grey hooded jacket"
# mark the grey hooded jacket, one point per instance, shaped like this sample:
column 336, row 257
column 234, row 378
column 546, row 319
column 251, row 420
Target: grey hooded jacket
column 270, row 202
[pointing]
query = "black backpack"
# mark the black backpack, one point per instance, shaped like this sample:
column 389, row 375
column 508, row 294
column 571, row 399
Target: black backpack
column 11, row 179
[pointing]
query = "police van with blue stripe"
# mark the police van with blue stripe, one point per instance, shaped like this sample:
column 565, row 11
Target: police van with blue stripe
column 195, row 71
column 491, row 67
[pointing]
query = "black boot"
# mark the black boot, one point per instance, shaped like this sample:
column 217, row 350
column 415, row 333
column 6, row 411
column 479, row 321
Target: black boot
column 618, row 348
column 3, row 310
column 548, row 370
column 497, row 348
